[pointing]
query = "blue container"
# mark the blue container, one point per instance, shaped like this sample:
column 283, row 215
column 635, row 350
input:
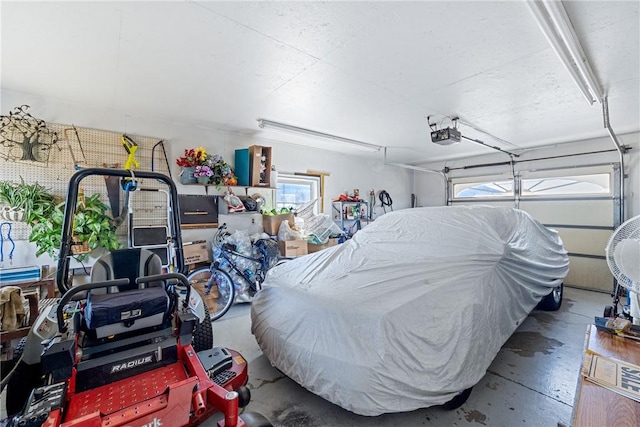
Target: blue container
column 243, row 166
column 186, row 176
column 30, row 273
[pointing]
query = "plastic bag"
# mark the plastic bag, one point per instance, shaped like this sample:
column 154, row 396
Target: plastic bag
column 242, row 244
column 234, row 204
column 285, row 232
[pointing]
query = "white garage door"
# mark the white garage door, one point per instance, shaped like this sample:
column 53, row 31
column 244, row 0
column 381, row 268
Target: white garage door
column 582, row 204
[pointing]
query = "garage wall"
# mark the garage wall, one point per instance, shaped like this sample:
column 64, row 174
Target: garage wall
column 347, row 171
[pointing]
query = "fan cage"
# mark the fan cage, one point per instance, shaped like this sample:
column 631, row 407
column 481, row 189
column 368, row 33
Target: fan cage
column 630, row 229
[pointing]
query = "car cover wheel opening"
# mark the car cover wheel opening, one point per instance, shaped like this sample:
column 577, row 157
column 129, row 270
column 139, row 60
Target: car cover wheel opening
column 553, row 300
column 458, row 400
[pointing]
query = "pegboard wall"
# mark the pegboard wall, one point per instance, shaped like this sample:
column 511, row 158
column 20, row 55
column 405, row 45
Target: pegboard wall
column 91, row 148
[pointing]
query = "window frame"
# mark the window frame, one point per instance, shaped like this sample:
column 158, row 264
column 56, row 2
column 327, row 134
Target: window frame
column 312, row 180
column 541, row 174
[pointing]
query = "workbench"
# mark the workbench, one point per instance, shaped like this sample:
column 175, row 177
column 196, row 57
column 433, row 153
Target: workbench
column 35, row 305
column 43, row 285
column 595, row 405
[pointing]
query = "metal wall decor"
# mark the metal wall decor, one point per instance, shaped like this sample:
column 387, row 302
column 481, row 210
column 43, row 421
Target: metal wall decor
column 24, row 137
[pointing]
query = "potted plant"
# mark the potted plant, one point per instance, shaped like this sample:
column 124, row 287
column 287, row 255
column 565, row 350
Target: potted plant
column 92, row 228
column 203, row 173
column 203, row 168
column 24, row 202
column 188, row 162
column 221, row 172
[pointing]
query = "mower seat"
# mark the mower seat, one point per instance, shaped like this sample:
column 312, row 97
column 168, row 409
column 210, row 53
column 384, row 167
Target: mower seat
column 118, row 309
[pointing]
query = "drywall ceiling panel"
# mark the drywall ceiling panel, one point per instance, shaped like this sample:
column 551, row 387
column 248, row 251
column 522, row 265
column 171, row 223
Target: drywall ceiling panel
column 355, row 109
column 201, row 67
column 315, row 28
column 52, row 51
column 413, row 47
column 371, row 71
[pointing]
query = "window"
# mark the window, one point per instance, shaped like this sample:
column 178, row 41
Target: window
column 567, row 185
column 584, row 184
column 294, row 191
column 483, row 189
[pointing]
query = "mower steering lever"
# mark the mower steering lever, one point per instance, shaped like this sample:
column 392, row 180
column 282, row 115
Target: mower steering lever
column 167, row 276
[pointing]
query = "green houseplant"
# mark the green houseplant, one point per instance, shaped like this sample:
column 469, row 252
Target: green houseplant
column 24, row 202
column 91, row 227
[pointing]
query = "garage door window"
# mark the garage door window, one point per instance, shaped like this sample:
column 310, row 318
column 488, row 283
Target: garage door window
column 567, row 185
column 570, row 185
column 483, row 189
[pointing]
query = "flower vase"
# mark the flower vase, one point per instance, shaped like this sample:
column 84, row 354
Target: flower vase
column 186, row 176
column 203, row 180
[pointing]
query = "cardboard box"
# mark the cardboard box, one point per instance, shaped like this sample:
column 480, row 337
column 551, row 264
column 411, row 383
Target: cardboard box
column 248, row 164
column 292, row 248
column 257, row 152
column 211, row 300
column 311, row 248
column 196, row 252
column 271, row 223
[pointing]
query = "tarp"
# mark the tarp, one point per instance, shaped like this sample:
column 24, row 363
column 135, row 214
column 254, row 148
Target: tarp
column 410, row 311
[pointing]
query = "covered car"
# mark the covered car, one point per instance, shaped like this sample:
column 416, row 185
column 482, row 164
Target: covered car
column 412, row 310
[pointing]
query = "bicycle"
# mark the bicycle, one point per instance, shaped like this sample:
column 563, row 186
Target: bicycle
column 225, row 268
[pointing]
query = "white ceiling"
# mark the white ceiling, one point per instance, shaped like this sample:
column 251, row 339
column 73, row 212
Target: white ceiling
column 369, row 71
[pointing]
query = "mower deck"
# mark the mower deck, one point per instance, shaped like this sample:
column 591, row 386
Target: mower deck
column 165, row 394
column 120, row 394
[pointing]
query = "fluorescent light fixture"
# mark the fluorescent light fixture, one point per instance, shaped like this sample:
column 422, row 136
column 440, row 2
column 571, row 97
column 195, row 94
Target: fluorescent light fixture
column 565, row 44
column 268, row 124
column 565, row 29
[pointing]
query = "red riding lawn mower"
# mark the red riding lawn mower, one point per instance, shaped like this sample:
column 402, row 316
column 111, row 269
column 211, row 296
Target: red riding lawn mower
column 119, row 350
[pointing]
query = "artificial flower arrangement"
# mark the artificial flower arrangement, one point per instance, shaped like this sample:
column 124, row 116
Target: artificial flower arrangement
column 209, row 169
column 192, row 157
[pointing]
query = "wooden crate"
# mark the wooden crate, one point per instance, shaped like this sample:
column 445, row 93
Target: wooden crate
column 256, row 153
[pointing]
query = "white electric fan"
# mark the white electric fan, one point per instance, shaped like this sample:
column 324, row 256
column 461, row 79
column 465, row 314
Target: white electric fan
column 623, row 258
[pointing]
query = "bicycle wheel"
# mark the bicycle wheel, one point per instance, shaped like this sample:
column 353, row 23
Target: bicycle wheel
column 219, row 285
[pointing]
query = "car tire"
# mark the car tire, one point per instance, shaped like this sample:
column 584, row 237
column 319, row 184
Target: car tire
column 458, row 400
column 254, row 419
column 203, row 333
column 553, row 301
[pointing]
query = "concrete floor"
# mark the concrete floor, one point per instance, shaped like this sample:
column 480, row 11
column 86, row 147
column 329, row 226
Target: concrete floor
column 531, row 382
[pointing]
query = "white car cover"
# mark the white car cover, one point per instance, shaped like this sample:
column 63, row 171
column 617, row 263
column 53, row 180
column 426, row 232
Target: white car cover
column 412, row 310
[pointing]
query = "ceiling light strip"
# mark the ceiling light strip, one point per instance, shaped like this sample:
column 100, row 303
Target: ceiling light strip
column 268, row 124
column 565, row 29
column 559, row 48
